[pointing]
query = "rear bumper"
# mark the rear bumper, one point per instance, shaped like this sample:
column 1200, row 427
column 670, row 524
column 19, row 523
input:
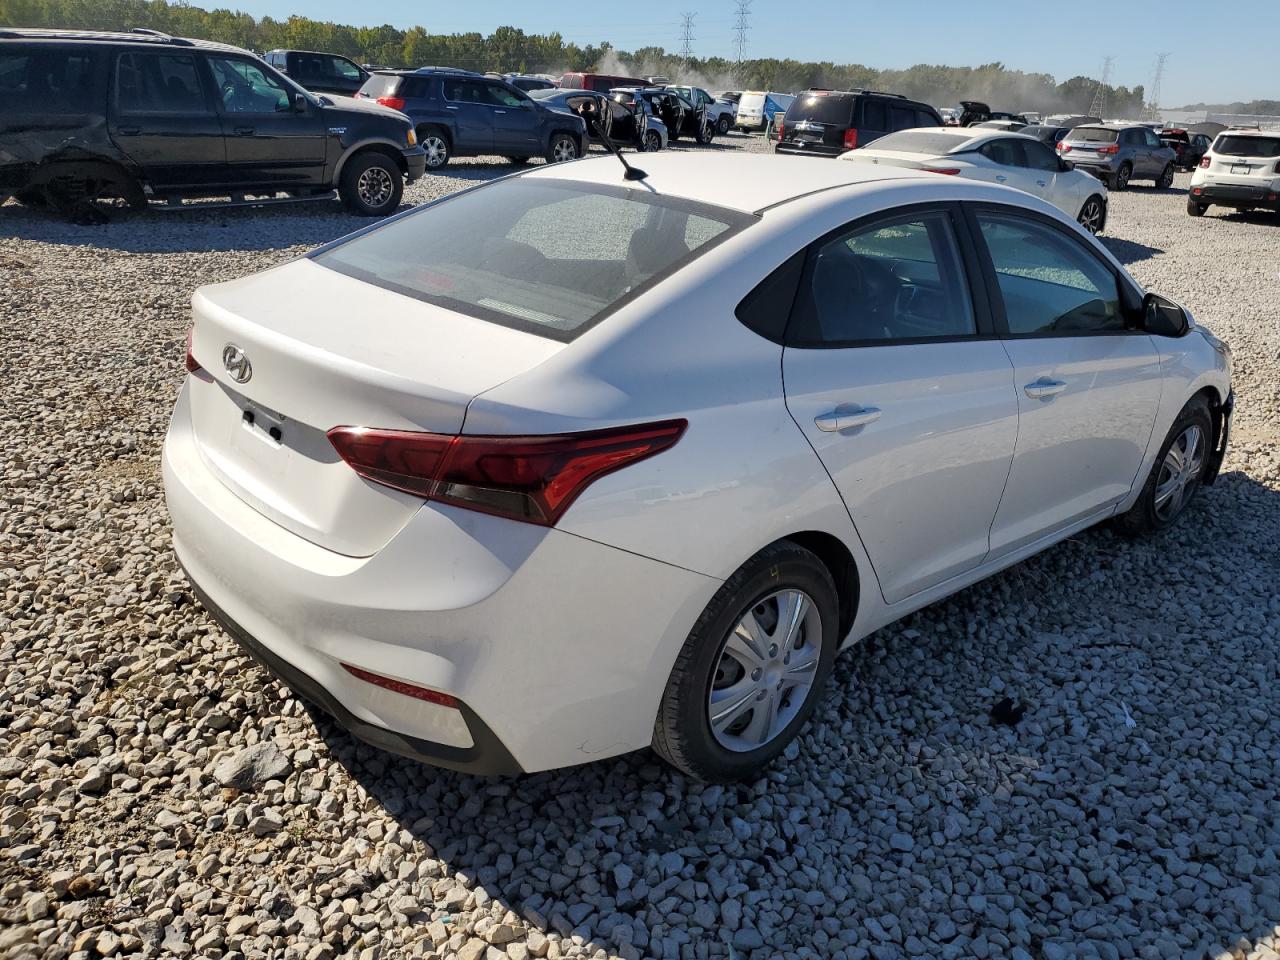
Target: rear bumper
column 1099, row 168
column 1236, row 195
column 557, row 647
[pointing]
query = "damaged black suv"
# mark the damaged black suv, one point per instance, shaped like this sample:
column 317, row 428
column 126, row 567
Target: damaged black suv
column 93, row 121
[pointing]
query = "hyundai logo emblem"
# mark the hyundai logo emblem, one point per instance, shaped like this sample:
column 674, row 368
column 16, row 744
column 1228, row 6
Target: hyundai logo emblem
column 237, row 364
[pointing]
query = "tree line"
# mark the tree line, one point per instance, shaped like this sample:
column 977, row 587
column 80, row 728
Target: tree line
column 511, row 49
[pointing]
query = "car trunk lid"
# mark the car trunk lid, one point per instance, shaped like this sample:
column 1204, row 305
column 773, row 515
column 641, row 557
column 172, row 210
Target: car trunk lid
column 333, row 351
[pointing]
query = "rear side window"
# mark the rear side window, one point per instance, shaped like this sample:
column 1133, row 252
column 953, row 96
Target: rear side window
column 1050, row 284
column 159, row 83
column 1235, row 146
column 821, row 108
column 1094, row 135
column 896, row 281
column 467, row 91
column 381, row 85
column 502, row 252
column 48, row 80
column 1006, row 152
column 902, row 118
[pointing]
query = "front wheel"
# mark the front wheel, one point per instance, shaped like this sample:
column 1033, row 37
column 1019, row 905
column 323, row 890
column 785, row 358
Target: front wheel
column 371, row 185
column 1166, row 177
column 1176, row 475
column 1092, row 214
column 1196, row 209
column 723, row 124
column 753, row 667
column 562, row 147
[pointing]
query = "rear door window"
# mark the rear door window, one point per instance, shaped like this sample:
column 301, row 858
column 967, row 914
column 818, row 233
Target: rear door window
column 153, row 83
column 875, row 115
column 903, row 118
column 1039, row 157
column 466, row 90
column 1007, row 152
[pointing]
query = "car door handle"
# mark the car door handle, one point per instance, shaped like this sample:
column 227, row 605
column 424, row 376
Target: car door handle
column 129, row 131
column 452, row 108
column 244, row 131
column 1001, row 178
column 499, row 111
column 1042, row 183
column 846, row 417
column 1044, row 388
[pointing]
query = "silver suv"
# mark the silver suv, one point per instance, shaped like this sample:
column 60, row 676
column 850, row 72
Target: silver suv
column 1119, row 152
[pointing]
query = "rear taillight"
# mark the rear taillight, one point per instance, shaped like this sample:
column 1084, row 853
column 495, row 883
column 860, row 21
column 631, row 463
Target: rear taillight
column 1204, row 162
column 1064, row 147
column 1114, row 148
column 851, row 138
column 947, row 171
column 532, row 479
column 782, row 131
column 192, row 365
column 395, row 103
column 402, row 687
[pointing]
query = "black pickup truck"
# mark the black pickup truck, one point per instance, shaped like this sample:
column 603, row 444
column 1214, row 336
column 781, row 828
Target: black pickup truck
column 92, row 120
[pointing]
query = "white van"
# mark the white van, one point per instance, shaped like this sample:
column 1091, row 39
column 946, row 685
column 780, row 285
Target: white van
column 757, row 107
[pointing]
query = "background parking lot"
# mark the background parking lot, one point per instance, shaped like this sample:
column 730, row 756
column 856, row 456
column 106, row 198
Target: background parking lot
column 159, row 790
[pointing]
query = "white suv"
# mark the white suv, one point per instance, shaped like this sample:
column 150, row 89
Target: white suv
column 1241, row 170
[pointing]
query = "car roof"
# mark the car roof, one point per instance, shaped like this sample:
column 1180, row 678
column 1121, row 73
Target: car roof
column 746, row 182
column 140, row 37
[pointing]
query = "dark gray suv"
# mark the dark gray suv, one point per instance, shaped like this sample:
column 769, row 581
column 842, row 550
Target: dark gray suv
column 1119, row 152
column 457, row 113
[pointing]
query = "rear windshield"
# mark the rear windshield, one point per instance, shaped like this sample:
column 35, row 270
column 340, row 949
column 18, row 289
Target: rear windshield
column 821, row 108
column 1234, row 146
column 1094, row 135
column 921, row 141
column 380, row 85
column 545, row 256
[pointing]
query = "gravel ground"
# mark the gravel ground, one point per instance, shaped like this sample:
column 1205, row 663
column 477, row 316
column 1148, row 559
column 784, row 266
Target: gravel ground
column 160, row 794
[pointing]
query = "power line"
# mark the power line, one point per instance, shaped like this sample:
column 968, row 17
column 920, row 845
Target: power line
column 741, row 24
column 1153, row 102
column 686, row 36
column 1100, row 95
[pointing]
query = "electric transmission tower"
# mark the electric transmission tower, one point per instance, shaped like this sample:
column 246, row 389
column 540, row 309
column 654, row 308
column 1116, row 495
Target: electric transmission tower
column 1100, row 95
column 1153, row 102
column 741, row 23
column 686, row 37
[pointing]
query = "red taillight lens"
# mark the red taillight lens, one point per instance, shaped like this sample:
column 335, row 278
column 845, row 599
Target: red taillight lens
column 851, row 138
column 533, row 479
column 395, row 103
column 192, row 365
column 1204, row 162
column 1064, row 147
column 402, row 687
column 1114, row 148
column 948, row 171
column 782, row 131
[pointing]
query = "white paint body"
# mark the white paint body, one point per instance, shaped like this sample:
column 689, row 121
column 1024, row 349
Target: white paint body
column 1065, row 189
column 562, row 639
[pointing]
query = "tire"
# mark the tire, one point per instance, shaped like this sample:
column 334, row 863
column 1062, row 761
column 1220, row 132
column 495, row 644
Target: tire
column 742, row 745
column 562, row 148
column 437, row 145
column 1120, row 179
column 724, row 124
column 1165, row 180
column 652, row 142
column 1093, row 214
column 706, row 133
column 1196, row 209
column 517, row 159
column 371, row 184
column 1174, row 480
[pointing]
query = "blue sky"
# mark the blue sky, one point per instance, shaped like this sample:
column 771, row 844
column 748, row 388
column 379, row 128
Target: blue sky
column 1061, row 39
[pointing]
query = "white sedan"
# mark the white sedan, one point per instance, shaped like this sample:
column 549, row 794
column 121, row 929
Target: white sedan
column 568, row 464
column 995, row 156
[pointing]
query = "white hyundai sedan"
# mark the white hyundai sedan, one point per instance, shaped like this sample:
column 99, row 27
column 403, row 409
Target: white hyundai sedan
column 567, row 464
column 995, row 156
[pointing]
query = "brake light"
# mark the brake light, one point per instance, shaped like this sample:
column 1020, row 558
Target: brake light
column 192, row 365
column 947, row 171
column 395, row 103
column 532, row 479
column 402, row 687
column 1113, row 149
column 1204, row 162
column 851, row 138
column 782, row 130
column 1064, row 147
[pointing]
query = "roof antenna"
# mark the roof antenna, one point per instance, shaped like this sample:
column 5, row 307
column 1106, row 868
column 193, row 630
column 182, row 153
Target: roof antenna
column 590, row 112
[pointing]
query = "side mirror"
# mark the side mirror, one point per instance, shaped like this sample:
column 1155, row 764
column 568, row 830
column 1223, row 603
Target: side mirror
column 299, row 103
column 1162, row 317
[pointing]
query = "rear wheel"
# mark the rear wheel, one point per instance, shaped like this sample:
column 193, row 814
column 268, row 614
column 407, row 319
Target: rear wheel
column 1177, row 473
column 371, row 185
column 1165, row 180
column 1092, row 214
column 436, row 146
column 1196, row 209
column 1120, row 179
column 562, row 147
column 753, row 667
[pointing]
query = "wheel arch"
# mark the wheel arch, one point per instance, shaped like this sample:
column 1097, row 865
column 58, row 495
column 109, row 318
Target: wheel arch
column 443, row 127
column 839, row 561
column 371, row 145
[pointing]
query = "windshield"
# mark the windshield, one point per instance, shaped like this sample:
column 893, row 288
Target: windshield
column 821, row 108
column 549, row 257
column 922, row 141
column 1094, row 135
column 1237, row 146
